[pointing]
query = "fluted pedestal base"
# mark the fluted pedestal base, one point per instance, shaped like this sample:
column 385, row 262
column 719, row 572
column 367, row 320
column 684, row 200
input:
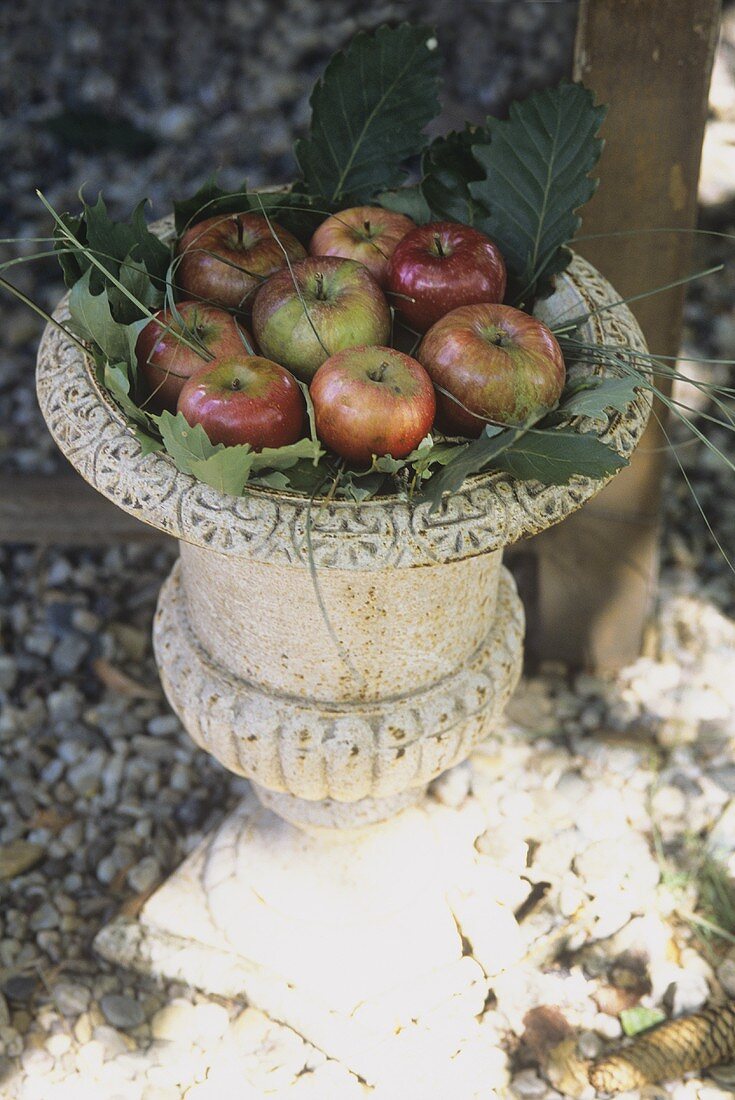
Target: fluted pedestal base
column 374, row 943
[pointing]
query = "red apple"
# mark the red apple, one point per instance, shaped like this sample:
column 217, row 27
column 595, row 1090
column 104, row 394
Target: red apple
column 372, row 401
column 326, row 305
column 165, row 361
column 225, row 259
column 245, row 399
column 440, row 266
column 368, row 234
column 498, row 363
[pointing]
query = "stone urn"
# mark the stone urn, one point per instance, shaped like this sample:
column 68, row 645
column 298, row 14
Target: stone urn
column 341, row 656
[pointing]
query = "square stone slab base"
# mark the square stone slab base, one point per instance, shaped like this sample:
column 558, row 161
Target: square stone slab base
column 375, row 944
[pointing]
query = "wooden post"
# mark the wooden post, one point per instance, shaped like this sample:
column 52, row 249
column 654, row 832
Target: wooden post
column 650, row 61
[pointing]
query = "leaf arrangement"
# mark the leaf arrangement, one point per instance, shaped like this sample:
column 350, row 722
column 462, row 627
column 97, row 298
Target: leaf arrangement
column 520, row 181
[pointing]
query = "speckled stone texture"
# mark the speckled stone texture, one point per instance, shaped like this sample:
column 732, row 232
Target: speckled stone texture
column 341, row 679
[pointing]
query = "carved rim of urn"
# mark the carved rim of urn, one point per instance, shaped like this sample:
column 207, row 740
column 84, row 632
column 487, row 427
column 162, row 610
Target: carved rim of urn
column 490, row 511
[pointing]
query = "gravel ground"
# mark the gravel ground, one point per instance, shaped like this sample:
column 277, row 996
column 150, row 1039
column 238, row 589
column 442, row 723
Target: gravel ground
column 613, row 791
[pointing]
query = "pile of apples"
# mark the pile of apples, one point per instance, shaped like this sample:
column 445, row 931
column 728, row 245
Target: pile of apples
column 324, row 318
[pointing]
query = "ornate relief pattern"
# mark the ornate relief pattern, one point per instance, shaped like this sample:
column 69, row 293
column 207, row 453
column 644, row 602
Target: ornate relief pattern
column 345, row 751
column 489, row 512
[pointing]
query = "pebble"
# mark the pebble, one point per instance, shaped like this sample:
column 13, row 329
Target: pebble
column 69, row 653
column 144, row 875
column 70, row 998
column 691, row 991
column 175, row 1022
column 8, row 673
column 122, row 1011
column 726, row 976
column 46, row 916
column 17, row 857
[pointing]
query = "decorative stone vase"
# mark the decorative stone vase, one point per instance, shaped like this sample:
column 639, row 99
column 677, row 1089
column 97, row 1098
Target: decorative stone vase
column 341, row 656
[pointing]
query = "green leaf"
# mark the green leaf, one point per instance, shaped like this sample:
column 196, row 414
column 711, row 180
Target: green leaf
column 227, row 469
column 92, row 320
column 595, row 397
column 281, row 458
column 554, row 457
column 406, row 200
column 448, row 167
column 369, row 111
column 637, row 1019
column 117, row 381
column 184, row 443
column 536, row 176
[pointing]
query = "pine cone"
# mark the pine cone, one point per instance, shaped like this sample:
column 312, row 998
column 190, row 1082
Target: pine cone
column 669, row 1051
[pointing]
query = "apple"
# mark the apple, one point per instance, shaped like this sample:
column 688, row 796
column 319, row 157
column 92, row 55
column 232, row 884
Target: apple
column 325, row 305
column 440, row 266
column 497, row 363
column 368, row 234
column 165, row 361
column 225, row 259
column 372, row 401
column 245, row 399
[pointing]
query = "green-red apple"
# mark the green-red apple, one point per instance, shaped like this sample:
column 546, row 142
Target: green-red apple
column 174, row 345
column 372, row 401
column 226, row 259
column 245, row 399
column 496, row 363
column 368, row 234
column 319, row 307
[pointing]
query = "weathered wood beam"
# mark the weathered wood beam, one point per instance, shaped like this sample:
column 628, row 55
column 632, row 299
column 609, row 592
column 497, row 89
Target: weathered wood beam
column 62, row 509
column 650, row 61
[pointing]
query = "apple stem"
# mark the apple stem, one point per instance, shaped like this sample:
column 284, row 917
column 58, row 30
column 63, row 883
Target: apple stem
column 320, row 286
column 378, row 374
column 236, row 384
column 238, row 222
column 438, row 245
column 366, row 227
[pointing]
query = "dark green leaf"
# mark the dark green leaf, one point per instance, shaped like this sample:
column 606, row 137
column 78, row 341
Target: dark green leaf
column 298, row 213
column 306, row 478
column 74, row 263
column 448, row 167
column 111, row 242
column 360, row 487
column 272, row 480
column 208, row 201
column 406, row 200
column 148, row 443
column 470, row 459
column 597, row 396
column 369, row 111
column 637, row 1019
column 554, row 457
column 536, row 176
column 136, row 280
